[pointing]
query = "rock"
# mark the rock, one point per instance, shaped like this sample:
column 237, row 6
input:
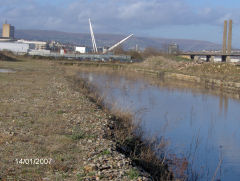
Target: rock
column 119, row 164
column 90, row 168
column 46, row 179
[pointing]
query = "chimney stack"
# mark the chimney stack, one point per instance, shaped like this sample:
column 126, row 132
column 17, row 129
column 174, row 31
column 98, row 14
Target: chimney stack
column 224, row 45
column 229, row 47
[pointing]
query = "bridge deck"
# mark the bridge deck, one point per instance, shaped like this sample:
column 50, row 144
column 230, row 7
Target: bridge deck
column 209, row 54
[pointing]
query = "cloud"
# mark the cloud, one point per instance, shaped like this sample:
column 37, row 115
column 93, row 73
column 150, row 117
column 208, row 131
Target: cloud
column 109, row 15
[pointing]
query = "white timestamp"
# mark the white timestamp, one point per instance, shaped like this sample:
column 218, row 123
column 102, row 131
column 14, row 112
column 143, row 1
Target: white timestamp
column 34, row 161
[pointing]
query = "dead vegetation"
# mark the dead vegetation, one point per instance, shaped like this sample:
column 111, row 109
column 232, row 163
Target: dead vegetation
column 7, row 56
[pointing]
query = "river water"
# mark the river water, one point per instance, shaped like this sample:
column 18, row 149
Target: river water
column 197, row 125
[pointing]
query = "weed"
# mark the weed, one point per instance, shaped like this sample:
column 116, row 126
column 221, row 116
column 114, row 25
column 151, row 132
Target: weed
column 77, row 134
column 80, row 176
column 133, row 174
column 61, row 112
column 91, row 174
column 105, row 152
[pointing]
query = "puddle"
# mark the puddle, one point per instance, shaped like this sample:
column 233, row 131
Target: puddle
column 7, row 71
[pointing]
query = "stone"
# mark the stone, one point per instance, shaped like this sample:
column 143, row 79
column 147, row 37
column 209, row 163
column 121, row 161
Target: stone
column 90, row 168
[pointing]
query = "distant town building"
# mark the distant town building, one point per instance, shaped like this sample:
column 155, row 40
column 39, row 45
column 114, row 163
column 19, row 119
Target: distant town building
column 173, row 48
column 55, row 46
column 8, row 31
column 35, row 45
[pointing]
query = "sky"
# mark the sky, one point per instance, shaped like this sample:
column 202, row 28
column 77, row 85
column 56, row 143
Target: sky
column 182, row 19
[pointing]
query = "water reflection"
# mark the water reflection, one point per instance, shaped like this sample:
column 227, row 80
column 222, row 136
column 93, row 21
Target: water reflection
column 223, row 100
column 201, row 127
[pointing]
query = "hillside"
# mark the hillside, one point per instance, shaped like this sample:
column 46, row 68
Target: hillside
column 110, row 39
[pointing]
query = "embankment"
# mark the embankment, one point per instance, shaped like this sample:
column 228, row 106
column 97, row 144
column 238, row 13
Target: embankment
column 214, row 82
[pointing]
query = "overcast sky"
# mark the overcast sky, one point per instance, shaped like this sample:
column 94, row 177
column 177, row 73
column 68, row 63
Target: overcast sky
column 184, row 19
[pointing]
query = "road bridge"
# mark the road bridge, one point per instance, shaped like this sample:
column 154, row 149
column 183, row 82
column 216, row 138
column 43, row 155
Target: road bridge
column 210, row 55
column 226, row 52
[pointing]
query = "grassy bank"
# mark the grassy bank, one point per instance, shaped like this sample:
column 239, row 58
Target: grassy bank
column 44, row 117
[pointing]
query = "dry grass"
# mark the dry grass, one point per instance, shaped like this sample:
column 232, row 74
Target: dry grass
column 162, row 63
column 40, row 116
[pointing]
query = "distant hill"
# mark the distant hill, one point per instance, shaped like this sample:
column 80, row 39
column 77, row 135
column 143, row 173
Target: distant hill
column 111, row 39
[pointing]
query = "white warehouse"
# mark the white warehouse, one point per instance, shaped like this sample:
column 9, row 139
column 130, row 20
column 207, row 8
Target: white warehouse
column 82, row 49
column 14, row 47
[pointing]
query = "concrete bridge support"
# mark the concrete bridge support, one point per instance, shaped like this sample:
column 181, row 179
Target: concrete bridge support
column 196, row 58
column 212, row 58
column 228, row 59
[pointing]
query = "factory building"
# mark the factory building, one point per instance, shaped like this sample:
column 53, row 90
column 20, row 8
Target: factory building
column 8, row 31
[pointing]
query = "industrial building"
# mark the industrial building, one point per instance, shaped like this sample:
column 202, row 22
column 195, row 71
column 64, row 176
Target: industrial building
column 14, row 47
column 8, row 31
column 7, row 42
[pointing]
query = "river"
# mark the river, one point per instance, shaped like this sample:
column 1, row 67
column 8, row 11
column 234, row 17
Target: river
column 196, row 124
